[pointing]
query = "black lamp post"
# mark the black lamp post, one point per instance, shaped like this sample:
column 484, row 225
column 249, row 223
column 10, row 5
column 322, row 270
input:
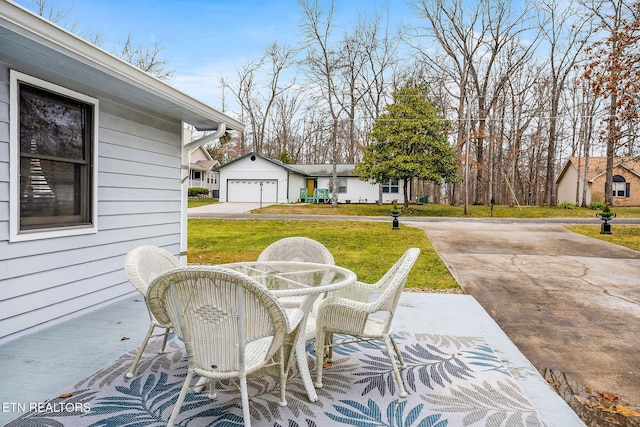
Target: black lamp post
column 261, row 194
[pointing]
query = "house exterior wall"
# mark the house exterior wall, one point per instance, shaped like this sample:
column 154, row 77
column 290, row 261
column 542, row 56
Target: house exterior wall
column 292, row 178
column 566, row 189
column 208, row 179
column 258, row 169
column 139, row 202
column 597, row 189
column 633, row 180
column 634, row 193
column 361, row 191
column 296, row 182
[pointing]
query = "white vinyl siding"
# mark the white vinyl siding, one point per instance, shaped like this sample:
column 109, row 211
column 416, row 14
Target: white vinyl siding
column 139, row 202
column 4, row 163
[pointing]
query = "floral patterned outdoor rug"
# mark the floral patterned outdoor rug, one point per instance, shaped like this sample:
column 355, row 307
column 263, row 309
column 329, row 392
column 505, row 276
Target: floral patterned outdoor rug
column 451, row 381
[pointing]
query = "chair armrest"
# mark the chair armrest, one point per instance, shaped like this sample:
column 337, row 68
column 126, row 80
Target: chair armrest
column 294, row 316
column 359, row 291
column 342, row 315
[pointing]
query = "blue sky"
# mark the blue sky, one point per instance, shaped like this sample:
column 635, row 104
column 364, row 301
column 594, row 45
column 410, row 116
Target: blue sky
column 204, row 40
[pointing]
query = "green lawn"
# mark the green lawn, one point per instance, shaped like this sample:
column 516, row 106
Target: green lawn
column 367, row 248
column 431, row 209
column 370, row 248
column 622, row 234
column 200, row 202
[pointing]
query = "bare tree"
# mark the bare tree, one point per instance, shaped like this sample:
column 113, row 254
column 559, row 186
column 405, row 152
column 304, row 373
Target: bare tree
column 563, row 29
column 322, row 65
column 613, row 70
column 452, row 26
column 367, row 56
column 50, row 12
column 502, row 53
column 287, row 124
column 258, row 97
column 146, row 59
column 482, row 47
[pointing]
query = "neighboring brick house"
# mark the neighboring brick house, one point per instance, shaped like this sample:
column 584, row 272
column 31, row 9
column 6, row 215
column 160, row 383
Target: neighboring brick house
column 626, row 181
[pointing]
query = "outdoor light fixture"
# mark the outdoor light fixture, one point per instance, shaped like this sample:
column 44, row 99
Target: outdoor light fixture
column 226, row 138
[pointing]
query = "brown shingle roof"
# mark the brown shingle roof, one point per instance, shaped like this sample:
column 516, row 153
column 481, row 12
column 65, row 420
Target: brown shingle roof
column 598, row 165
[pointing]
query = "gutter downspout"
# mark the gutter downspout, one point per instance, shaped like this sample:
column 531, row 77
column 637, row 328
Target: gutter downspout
column 184, row 187
column 219, row 133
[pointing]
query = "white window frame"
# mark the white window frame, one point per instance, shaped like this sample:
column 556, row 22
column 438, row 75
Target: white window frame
column 619, row 187
column 342, row 189
column 17, row 235
column 390, row 184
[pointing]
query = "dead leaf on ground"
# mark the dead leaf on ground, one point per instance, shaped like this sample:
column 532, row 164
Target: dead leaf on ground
column 608, row 396
column 65, row 395
column 124, row 338
column 493, row 311
column 624, row 411
column 327, row 364
column 585, row 401
column 614, row 409
column 590, row 389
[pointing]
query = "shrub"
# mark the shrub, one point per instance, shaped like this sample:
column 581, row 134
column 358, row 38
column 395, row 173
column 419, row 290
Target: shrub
column 567, row 205
column 597, row 206
column 197, row 191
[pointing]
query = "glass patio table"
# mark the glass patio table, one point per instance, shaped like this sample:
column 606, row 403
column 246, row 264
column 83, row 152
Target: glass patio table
column 302, row 282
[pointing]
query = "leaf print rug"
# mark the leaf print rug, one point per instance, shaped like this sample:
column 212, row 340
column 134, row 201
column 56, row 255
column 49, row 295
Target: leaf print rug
column 451, row 381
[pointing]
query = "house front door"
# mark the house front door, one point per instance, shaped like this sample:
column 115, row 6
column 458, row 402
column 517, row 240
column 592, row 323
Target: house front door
column 311, row 186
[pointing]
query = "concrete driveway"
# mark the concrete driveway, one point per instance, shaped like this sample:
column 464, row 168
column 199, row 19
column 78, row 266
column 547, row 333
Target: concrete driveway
column 570, row 303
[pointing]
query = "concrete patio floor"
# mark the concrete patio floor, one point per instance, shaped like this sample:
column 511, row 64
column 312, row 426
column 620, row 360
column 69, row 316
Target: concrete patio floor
column 37, row 366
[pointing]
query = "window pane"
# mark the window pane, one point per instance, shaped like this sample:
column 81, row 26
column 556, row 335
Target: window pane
column 50, row 188
column 51, row 125
column 55, row 148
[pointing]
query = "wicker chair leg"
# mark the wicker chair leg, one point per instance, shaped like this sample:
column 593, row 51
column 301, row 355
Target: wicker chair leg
column 397, row 350
column 246, row 414
column 178, row 405
column 329, row 344
column 145, row 341
column 283, row 378
column 212, row 390
column 164, row 339
column 320, row 349
column 394, row 366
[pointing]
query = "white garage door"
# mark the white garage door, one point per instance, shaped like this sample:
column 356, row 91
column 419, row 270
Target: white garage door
column 248, row 190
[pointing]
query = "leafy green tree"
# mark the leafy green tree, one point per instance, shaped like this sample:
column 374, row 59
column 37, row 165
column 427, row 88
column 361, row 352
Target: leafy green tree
column 285, row 157
column 409, row 141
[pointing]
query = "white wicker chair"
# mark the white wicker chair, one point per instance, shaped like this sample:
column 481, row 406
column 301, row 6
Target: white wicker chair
column 231, row 326
column 364, row 311
column 297, row 248
column 300, row 249
column 142, row 265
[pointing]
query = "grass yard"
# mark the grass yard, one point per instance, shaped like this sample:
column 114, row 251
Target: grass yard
column 194, row 203
column 622, row 234
column 432, row 209
column 367, row 248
